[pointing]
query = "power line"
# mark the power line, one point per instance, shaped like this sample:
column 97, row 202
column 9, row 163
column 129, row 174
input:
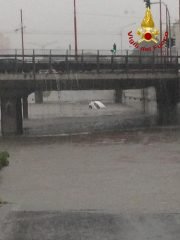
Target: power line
column 64, row 33
column 109, row 15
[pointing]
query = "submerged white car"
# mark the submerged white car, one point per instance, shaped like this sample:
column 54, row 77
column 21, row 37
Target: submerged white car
column 96, row 105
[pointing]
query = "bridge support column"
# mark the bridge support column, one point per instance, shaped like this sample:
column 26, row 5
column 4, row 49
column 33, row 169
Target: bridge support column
column 25, row 107
column 11, row 116
column 118, row 95
column 38, row 97
column 167, row 99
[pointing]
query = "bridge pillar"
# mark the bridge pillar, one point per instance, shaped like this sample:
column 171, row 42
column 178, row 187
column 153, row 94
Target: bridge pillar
column 11, row 116
column 118, row 95
column 38, row 97
column 167, row 99
column 25, row 107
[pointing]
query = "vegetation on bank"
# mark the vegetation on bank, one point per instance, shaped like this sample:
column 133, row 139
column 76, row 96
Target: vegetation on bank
column 4, row 162
column 2, row 202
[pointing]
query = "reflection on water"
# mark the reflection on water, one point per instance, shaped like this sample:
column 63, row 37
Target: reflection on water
column 67, row 112
column 55, row 118
column 60, row 117
column 125, row 171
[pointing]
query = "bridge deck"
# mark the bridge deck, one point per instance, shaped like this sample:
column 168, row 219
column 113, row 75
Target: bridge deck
column 80, row 63
column 88, row 76
column 25, row 74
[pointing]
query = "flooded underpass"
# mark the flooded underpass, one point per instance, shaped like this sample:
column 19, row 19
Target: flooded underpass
column 74, row 118
column 90, row 120
column 118, row 179
column 68, row 112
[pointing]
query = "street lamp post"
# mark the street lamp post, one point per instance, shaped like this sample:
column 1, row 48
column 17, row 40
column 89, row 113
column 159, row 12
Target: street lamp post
column 168, row 22
column 22, row 35
column 179, row 14
column 121, row 36
column 168, row 13
column 75, row 30
column 160, row 20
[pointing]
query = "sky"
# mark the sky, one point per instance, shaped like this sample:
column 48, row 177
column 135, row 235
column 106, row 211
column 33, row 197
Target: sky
column 49, row 23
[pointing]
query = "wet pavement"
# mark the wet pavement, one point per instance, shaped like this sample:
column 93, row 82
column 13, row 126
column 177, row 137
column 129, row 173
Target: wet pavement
column 90, row 178
column 96, row 226
column 68, row 118
column 121, row 185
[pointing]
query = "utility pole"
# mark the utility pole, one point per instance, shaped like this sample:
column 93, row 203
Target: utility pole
column 121, row 35
column 22, row 35
column 160, row 9
column 167, row 29
column 179, row 14
column 75, row 30
column 168, row 22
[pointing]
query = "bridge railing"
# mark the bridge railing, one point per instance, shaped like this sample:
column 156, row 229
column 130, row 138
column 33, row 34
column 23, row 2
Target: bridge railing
column 62, row 52
column 34, row 62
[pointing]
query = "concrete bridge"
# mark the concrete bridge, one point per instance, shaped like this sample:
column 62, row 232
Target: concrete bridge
column 22, row 75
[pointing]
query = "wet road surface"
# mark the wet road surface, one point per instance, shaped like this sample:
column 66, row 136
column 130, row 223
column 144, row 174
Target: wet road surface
column 96, row 226
column 121, row 185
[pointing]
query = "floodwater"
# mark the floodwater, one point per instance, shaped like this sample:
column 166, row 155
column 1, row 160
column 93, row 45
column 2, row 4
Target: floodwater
column 72, row 157
column 119, row 172
column 74, row 118
column 67, row 112
column 105, row 183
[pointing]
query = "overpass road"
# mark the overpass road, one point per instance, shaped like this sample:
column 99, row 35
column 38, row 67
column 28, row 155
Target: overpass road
column 85, row 72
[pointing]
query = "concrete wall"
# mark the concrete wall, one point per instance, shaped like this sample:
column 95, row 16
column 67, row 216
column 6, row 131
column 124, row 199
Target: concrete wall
column 141, row 99
column 132, row 98
column 76, row 96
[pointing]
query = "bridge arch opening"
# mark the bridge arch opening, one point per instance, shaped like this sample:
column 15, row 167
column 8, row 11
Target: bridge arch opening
column 67, row 112
column 88, row 72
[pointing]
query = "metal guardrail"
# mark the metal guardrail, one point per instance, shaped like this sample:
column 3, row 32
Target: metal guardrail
column 82, row 51
column 35, row 62
column 63, row 52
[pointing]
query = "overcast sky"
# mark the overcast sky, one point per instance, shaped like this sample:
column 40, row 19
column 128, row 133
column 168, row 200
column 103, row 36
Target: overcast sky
column 49, row 23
